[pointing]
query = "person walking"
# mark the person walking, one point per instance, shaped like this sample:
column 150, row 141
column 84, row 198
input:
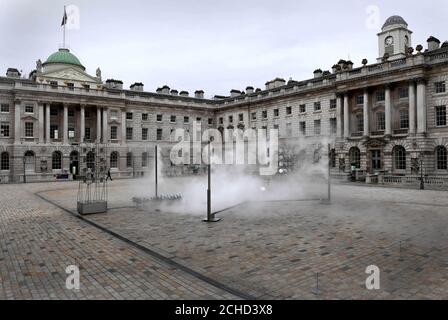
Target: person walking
column 108, row 175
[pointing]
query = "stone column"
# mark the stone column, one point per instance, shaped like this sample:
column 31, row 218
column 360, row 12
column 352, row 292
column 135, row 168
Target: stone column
column 366, row 113
column 41, row 123
column 65, row 125
column 388, row 112
column 412, row 105
column 17, row 122
column 123, row 127
column 105, row 131
column 346, row 117
column 98, row 124
column 82, row 124
column 47, row 123
column 421, row 106
column 339, row 116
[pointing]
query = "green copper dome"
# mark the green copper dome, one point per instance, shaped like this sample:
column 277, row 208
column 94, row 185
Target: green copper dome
column 64, row 56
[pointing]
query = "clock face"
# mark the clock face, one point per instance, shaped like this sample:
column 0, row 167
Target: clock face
column 389, row 41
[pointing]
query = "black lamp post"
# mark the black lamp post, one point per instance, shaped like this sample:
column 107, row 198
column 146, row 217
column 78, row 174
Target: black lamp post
column 210, row 216
column 422, row 182
column 24, row 169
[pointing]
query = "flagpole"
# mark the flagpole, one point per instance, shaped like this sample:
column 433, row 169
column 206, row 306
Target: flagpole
column 65, row 22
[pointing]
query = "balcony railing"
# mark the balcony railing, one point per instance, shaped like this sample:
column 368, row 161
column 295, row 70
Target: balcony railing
column 401, row 131
column 378, row 133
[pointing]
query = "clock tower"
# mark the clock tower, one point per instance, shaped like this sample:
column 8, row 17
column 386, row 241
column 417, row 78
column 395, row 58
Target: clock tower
column 394, row 39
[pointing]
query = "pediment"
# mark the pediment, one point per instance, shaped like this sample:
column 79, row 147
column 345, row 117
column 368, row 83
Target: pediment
column 69, row 74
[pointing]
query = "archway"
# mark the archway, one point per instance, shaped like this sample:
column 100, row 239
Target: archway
column 74, row 164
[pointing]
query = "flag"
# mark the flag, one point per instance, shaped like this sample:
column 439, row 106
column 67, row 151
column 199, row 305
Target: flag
column 64, row 18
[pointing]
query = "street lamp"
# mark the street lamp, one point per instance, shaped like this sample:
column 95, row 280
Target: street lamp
column 422, row 182
column 24, row 169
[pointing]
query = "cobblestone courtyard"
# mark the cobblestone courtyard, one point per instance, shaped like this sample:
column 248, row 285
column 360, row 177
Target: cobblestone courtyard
column 269, row 250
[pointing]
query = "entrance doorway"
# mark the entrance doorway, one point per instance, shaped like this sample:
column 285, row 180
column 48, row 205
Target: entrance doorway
column 74, row 164
column 376, row 160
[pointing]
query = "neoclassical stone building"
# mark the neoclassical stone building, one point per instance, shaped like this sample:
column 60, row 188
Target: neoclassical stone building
column 387, row 118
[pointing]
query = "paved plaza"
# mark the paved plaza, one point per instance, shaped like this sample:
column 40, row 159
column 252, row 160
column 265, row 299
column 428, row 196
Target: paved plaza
column 262, row 250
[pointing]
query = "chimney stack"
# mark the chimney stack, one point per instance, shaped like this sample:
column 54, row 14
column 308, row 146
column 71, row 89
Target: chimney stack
column 199, row 94
column 433, row 43
column 138, row 86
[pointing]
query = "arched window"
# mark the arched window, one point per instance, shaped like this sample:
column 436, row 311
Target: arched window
column 355, row 157
column 56, row 160
column 4, row 161
column 441, row 158
column 129, row 159
column 144, row 159
column 399, row 154
column 114, row 160
column 90, row 160
column 30, row 163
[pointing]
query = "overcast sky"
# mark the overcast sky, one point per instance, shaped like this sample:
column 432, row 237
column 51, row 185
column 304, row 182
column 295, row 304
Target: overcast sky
column 208, row 44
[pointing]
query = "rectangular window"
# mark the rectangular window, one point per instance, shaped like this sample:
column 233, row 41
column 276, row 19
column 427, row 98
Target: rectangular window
column 129, row 133
column 198, row 119
column 4, row 108
column 114, row 133
column 87, row 134
column 70, row 86
column 144, row 117
column 264, row 114
column 302, row 108
column 254, row 116
column 159, row 134
column 359, row 122
column 71, row 112
column 54, row 84
column 333, row 104
column 276, row 113
column 359, row 100
column 71, row 133
column 317, row 106
column 403, row 93
column 87, row 114
column 29, row 129
column 440, row 87
column 129, row 115
column 288, row 111
column 241, row 117
column 380, row 121
column 186, row 119
column 380, row 96
column 317, row 127
column 404, row 119
column 302, row 128
column 441, row 116
column 172, row 118
column 29, row 109
column 210, row 121
column 159, row 118
column 221, row 120
column 333, row 125
column 230, row 119
column 144, row 133
column 4, row 130
column 129, row 160
column 54, row 132
column 86, row 87
column 53, row 111
column 114, row 114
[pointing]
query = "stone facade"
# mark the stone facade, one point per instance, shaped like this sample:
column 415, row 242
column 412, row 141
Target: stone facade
column 385, row 118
